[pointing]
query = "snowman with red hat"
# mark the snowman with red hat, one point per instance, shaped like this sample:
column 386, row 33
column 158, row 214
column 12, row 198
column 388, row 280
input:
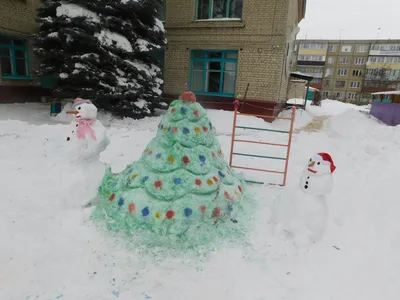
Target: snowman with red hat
column 87, row 136
column 86, row 139
column 302, row 214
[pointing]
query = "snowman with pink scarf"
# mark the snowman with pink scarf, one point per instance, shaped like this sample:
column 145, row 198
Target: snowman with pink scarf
column 87, row 137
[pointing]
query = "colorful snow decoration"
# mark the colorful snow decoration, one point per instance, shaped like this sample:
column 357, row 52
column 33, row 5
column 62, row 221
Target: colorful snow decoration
column 181, row 181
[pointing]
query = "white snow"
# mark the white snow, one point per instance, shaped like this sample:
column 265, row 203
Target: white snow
column 73, row 11
column 108, row 38
column 64, row 75
column 50, row 250
column 158, row 26
column 143, row 45
column 53, row 34
column 141, row 103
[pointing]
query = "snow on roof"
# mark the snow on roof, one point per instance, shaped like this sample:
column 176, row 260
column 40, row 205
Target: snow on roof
column 301, row 74
column 312, row 89
column 73, row 11
column 108, row 38
column 387, row 93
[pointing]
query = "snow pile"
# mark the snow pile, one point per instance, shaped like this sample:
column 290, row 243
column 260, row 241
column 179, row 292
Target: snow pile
column 109, row 38
column 74, row 11
column 53, row 252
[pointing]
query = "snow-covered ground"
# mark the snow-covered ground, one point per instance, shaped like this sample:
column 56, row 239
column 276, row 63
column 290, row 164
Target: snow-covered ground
column 49, row 250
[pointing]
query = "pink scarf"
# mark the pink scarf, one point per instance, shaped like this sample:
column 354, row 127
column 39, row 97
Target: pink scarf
column 85, row 128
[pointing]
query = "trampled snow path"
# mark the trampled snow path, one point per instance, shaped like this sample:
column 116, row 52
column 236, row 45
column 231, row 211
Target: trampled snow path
column 49, row 251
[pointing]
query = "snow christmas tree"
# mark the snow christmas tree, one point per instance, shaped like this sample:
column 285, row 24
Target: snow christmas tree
column 180, row 183
column 104, row 51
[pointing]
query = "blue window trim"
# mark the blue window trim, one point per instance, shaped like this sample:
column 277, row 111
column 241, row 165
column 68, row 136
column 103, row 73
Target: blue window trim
column 206, row 59
column 210, row 5
column 13, row 48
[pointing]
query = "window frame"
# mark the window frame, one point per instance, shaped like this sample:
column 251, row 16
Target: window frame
column 13, row 48
column 345, row 71
column 340, row 87
column 206, row 59
column 356, row 85
column 210, row 11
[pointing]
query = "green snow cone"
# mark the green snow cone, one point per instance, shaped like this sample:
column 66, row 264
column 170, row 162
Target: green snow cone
column 181, row 187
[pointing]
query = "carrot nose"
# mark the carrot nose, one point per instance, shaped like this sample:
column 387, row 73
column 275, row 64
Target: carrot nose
column 72, row 112
column 311, row 164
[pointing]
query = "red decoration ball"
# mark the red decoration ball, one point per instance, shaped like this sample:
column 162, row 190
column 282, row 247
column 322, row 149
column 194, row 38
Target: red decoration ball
column 198, row 182
column 174, row 129
column 205, row 129
column 158, row 184
column 170, row 214
column 185, row 160
column 215, row 179
column 172, row 110
column 216, row 212
column 112, row 197
column 240, row 188
column 196, row 113
column 203, row 209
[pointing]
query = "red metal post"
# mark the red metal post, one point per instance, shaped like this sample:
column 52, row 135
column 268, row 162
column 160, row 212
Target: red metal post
column 236, row 104
column 289, row 144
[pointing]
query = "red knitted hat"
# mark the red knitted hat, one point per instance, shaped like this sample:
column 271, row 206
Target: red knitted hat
column 327, row 158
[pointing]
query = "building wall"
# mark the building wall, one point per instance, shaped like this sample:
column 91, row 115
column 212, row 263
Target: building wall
column 261, row 37
column 17, row 20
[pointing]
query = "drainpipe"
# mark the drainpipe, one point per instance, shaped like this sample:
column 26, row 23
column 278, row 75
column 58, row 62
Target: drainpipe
column 305, row 100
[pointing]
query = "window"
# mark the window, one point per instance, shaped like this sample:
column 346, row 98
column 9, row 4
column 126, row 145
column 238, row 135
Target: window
column 342, row 72
column 325, row 95
column 327, row 83
column 346, row 48
column 213, row 72
column 340, row 84
column 343, row 60
column 14, row 58
column 328, row 72
column 313, row 46
column 357, row 73
column 219, row 9
column 332, row 48
column 362, row 48
column 331, row 60
column 355, row 84
column 339, row 95
column 311, row 57
column 352, row 96
column 359, row 61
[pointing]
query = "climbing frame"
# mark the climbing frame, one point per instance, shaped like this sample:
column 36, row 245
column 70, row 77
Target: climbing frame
column 287, row 146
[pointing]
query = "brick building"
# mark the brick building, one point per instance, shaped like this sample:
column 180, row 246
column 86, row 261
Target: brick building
column 217, row 47
column 17, row 64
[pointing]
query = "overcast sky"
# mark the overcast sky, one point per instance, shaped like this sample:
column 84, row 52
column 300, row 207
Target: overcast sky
column 352, row 19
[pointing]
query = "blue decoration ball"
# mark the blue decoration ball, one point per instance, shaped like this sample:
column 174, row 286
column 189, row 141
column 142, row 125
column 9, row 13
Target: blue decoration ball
column 185, row 130
column 145, row 211
column 188, row 212
column 121, row 201
column 221, row 174
column 177, row 180
column 183, row 110
column 202, row 158
column 158, row 156
column 145, row 178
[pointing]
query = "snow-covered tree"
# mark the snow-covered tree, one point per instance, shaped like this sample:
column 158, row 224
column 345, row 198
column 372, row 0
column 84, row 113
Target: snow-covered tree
column 102, row 50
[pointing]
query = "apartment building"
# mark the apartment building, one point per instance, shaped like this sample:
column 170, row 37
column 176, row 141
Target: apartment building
column 17, row 23
column 216, row 48
column 349, row 70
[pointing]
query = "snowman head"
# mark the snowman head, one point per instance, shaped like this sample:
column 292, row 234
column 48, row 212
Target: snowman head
column 83, row 110
column 321, row 164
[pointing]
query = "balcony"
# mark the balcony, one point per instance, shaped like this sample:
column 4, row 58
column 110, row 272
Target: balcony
column 385, row 52
column 310, row 63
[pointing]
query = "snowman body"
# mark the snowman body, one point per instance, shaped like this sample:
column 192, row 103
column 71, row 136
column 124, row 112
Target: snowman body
column 89, row 141
column 84, row 147
column 302, row 214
